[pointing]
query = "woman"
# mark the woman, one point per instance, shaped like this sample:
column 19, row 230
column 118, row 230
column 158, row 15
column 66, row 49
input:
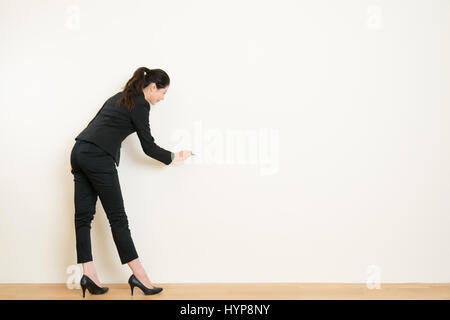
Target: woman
column 94, row 158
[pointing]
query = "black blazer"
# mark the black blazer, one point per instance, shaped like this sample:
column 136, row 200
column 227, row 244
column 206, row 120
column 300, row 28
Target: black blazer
column 113, row 123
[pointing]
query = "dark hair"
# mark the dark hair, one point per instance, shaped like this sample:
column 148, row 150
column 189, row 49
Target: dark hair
column 141, row 78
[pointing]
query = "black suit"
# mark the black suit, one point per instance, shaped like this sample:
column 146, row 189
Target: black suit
column 94, row 157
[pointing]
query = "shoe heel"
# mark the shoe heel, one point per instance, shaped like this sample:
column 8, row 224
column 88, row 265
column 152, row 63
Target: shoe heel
column 84, row 290
column 131, row 283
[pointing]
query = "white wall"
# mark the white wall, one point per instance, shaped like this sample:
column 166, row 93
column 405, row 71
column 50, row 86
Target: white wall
column 354, row 171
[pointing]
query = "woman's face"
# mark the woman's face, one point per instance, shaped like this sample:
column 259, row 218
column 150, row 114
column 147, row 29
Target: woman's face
column 153, row 95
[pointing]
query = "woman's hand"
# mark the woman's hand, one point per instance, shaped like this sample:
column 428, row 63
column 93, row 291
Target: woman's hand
column 182, row 155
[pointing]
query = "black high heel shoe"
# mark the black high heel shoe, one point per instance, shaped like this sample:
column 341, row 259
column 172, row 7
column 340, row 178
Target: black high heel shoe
column 92, row 287
column 134, row 282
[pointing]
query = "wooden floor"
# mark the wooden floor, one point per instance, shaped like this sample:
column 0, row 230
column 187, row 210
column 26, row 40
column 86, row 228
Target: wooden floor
column 236, row 291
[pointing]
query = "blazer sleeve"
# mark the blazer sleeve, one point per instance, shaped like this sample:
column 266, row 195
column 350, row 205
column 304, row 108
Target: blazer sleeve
column 140, row 118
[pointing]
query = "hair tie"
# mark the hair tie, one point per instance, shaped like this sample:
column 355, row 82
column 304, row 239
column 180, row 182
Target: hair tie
column 146, row 75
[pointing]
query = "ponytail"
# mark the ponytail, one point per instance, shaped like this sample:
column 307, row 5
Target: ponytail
column 141, row 78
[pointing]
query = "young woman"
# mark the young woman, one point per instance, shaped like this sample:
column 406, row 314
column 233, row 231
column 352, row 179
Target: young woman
column 94, row 158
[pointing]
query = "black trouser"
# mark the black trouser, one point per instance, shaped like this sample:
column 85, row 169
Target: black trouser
column 95, row 174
